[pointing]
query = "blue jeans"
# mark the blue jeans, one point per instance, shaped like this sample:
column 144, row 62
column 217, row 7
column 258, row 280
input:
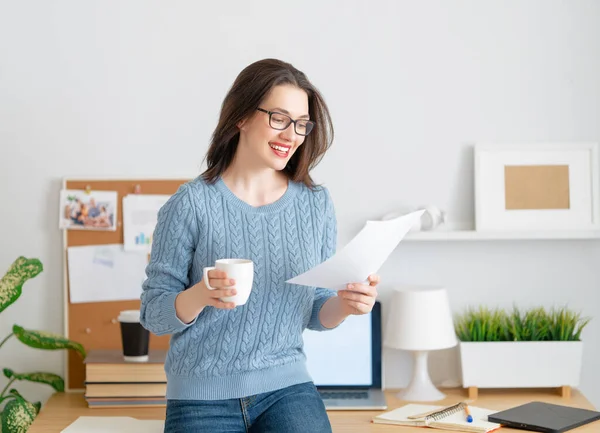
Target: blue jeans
column 295, row 409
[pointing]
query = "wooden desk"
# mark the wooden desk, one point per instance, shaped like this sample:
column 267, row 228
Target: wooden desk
column 62, row 409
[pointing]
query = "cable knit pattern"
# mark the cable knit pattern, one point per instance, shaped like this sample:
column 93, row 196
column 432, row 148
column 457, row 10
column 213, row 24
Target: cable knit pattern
column 293, row 265
column 307, row 238
column 256, row 241
column 231, row 339
column 275, row 280
column 256, row 347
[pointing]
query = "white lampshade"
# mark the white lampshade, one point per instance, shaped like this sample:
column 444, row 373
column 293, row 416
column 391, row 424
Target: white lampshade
column 419, row 318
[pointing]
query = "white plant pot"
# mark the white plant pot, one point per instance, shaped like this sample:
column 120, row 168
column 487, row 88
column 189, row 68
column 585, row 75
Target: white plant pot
column 521, row 364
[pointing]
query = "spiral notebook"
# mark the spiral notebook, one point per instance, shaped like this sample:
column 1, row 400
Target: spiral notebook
column 451, row 418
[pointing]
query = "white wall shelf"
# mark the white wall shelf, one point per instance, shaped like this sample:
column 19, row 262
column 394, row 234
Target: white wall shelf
column 474, row 235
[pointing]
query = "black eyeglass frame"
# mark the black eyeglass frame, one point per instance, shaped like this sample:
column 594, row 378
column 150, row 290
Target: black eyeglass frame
column 308, row 122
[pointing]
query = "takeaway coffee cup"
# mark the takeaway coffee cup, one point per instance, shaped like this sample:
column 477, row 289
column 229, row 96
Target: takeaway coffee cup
column 240, row 270
column 134, row 336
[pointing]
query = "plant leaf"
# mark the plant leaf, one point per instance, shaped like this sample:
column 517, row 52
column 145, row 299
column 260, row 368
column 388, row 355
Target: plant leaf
column 12, row 282
column 46, row 340
column 51, row 379
column 16, row 393
column 8, row 373
column 18, row 415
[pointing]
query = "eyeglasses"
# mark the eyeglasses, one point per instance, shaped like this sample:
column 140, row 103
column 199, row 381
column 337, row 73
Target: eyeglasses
column 281, row 122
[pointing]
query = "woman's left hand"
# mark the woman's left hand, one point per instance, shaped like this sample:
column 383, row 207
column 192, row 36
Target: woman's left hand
column 359, row 298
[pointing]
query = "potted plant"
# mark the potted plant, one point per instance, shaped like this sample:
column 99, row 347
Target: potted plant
column 19, row 413
column 536, row 348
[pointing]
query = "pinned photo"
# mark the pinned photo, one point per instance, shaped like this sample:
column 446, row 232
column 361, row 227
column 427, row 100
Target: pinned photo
column 88, row 210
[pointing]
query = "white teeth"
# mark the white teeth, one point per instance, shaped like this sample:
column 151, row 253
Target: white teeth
column 279, row 148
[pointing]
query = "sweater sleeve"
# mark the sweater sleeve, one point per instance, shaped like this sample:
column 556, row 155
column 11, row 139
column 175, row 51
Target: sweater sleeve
column 167, row 273
column 328, row 250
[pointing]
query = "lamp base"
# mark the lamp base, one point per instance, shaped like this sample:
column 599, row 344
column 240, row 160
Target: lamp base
column 420, row 388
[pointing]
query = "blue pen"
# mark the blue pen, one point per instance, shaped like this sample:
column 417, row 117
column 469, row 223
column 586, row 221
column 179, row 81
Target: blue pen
column 468, row 412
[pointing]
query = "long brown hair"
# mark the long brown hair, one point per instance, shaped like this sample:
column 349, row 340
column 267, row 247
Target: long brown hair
column 248, row 90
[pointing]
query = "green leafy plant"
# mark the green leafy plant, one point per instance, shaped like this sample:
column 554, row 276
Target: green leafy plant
column 19, row 413
column 536, row 324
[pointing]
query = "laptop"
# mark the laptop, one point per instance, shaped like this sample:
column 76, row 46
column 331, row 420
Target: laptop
column 345, row 363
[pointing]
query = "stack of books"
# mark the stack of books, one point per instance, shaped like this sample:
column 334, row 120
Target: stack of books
column 112, row 382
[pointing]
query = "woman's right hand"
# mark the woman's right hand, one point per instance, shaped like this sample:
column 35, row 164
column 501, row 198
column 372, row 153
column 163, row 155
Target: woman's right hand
column 191, row 302
column 223, row 287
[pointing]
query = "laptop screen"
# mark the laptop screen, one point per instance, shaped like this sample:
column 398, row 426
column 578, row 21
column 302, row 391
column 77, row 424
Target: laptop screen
column 342, row 356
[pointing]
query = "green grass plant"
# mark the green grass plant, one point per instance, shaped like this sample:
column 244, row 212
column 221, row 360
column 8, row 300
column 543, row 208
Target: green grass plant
column 535, row 324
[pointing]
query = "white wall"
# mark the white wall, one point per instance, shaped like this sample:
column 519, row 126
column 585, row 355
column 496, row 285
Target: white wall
column 133, row 89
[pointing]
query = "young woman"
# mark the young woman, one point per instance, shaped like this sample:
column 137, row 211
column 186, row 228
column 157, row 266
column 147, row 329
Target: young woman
column 242, row 369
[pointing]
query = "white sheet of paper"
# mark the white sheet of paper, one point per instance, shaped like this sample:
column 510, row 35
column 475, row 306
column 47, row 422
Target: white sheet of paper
column 105, row 273
column 140, row 212
column 363, row 255
column 114, row 424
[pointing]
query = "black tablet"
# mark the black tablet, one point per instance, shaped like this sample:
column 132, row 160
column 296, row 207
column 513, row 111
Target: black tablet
column 544, row 417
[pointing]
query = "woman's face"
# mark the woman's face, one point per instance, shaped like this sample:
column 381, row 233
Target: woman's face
column 270, row 147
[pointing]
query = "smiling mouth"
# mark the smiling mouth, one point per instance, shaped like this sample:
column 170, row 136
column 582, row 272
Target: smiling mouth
column 281, row 151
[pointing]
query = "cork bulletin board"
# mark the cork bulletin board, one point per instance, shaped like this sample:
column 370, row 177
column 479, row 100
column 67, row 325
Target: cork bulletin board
column 94, row 324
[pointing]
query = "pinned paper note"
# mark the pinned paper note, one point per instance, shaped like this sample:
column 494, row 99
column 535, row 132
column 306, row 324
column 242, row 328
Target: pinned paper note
column 105, row 273
column 363, row 255
column 140, row 214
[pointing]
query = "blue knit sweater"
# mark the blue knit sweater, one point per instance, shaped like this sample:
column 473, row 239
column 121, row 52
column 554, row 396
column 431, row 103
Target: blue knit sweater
column 257, row 347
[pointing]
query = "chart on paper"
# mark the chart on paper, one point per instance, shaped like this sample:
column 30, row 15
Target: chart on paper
column 140, row 213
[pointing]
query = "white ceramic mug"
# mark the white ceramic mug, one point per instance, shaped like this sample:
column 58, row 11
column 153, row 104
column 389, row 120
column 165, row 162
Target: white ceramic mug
column 240, row 270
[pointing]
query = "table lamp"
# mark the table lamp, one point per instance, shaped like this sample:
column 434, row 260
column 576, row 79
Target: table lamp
column 420, row 320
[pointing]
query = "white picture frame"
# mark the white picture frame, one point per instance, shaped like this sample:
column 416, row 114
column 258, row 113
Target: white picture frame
column 572, row 187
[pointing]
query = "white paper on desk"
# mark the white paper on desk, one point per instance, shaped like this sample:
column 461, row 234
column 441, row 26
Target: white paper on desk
column 105, row 273
column 114, row 424
column 363, row 255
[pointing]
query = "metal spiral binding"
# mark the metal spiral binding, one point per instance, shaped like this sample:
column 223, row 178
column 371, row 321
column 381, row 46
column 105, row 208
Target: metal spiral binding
column 445, row 412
